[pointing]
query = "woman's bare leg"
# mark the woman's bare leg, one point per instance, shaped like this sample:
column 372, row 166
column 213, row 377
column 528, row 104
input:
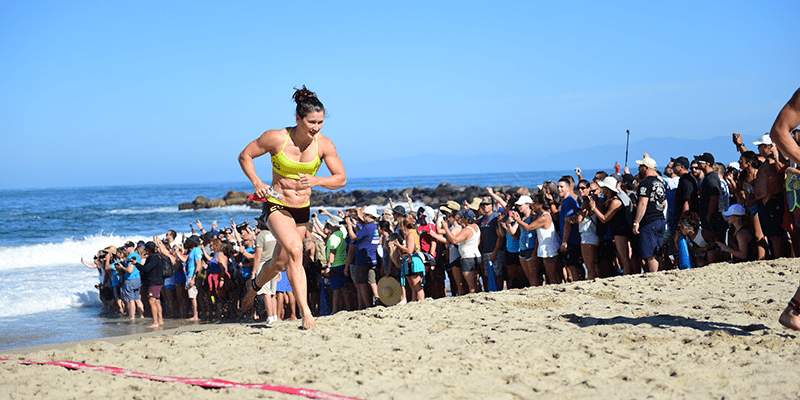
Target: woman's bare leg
column 554, row 273
column 461, row 283
column 589, row 252
column 471, row 278
column 621, row 244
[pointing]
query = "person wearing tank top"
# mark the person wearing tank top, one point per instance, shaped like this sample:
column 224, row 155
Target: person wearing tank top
column 296, row 155
column 547, row 238
column 467, row 241
column 528, row 259
column 458, row 285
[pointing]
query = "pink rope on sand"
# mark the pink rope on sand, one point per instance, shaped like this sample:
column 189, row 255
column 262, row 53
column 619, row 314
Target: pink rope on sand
column 202, row 382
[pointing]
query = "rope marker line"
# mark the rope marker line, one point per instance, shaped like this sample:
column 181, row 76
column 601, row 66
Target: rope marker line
column 202, row 382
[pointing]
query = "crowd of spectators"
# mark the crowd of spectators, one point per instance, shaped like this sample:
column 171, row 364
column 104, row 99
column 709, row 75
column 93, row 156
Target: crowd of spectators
column 687, row 214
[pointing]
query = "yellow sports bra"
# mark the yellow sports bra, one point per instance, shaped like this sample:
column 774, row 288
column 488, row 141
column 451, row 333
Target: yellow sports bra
column 290, row 168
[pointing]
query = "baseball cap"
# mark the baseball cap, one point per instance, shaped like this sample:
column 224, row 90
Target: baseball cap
column 764, row 139
column 648, row 162
column 682, row 161
column 705, row 157
column 735, row 209
column 372, row 211
column 525, row 199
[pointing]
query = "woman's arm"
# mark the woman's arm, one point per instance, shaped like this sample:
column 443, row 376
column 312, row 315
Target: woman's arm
column 338, row 176
column 90, row 266
column 604, row 217
column 410, row 246
column 543, row 221
column 499, row 200
column 465, row 234
column 255, row 149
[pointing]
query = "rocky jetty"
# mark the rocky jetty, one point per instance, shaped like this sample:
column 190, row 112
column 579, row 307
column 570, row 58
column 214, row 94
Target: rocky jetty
column 359, row 198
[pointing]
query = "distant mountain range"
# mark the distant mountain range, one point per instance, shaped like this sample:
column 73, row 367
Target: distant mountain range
column 589, row 159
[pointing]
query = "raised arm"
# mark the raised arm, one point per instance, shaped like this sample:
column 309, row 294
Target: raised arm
column 499, row 200
column 788, row 119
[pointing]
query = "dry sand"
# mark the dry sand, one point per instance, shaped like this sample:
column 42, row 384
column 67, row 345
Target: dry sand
column 703, row 333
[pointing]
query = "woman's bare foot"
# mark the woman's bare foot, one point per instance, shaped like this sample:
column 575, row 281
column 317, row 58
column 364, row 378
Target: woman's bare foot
column 249, row 298
column 790, row 318
column 194, row 319
column 154, row 326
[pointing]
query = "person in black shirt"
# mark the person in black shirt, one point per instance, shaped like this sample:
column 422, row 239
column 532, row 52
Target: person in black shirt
column 686, row 198
column 153, row 280
column 649, row 222
column 710, row 208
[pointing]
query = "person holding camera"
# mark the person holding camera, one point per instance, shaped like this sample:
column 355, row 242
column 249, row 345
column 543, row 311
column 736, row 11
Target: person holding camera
column 132, row 284
column 587, row 227
column 366, row 241
column 104, row 286
column 152, row 281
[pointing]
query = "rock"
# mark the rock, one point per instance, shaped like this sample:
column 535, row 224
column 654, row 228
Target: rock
column 359, row 198
column 443, row 190
column 235, row 195
column 201, row 202
column 217, row 203
column 235, row 201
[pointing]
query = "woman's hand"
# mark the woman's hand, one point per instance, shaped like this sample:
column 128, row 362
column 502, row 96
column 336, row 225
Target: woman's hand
column 261, row 190
column 308, row 181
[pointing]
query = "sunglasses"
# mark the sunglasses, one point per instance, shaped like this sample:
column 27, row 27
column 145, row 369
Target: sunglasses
column 582, row 188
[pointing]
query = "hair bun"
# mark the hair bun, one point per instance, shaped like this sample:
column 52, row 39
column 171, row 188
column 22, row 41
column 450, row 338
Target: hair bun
column 307, row 101
column 302, row 94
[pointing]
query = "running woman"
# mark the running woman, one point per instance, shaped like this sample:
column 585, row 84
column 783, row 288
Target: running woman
column 297, row 154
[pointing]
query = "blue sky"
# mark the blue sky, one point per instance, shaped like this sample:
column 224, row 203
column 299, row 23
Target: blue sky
column 100, row 93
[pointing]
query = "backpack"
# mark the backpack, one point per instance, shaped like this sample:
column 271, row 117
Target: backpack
column 166, row 266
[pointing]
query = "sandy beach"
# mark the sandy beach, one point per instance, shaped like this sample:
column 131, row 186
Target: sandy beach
column 704, row 333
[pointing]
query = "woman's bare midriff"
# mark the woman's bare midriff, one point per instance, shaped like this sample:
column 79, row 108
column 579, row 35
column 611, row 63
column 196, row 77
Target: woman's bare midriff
column 294, row 194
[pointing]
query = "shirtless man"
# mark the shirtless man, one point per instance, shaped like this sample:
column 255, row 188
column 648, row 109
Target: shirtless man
column 769, row 192
column 788, row 119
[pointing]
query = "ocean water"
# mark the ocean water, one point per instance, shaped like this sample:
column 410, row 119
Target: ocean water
column 47, row 296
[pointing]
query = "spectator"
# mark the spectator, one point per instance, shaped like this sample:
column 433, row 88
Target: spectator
column 769, row 192
column 132, row 284
column 570, row 241
column 492, row 241
column 710, row 202
column 153, row 280
column 467, row 240
column 614, row 215
column 366, row 240
column 743, row 242
column 649, row 222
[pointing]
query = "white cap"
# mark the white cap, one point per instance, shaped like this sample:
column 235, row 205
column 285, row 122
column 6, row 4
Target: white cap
column 647, row 162
column 371, row 211
column 735, row 209
column 524, row 199
column 765, row 139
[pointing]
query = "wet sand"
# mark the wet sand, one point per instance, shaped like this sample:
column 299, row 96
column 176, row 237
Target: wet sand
column 705, row 333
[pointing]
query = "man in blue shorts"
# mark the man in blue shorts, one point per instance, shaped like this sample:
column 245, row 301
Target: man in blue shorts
column 649, row 222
